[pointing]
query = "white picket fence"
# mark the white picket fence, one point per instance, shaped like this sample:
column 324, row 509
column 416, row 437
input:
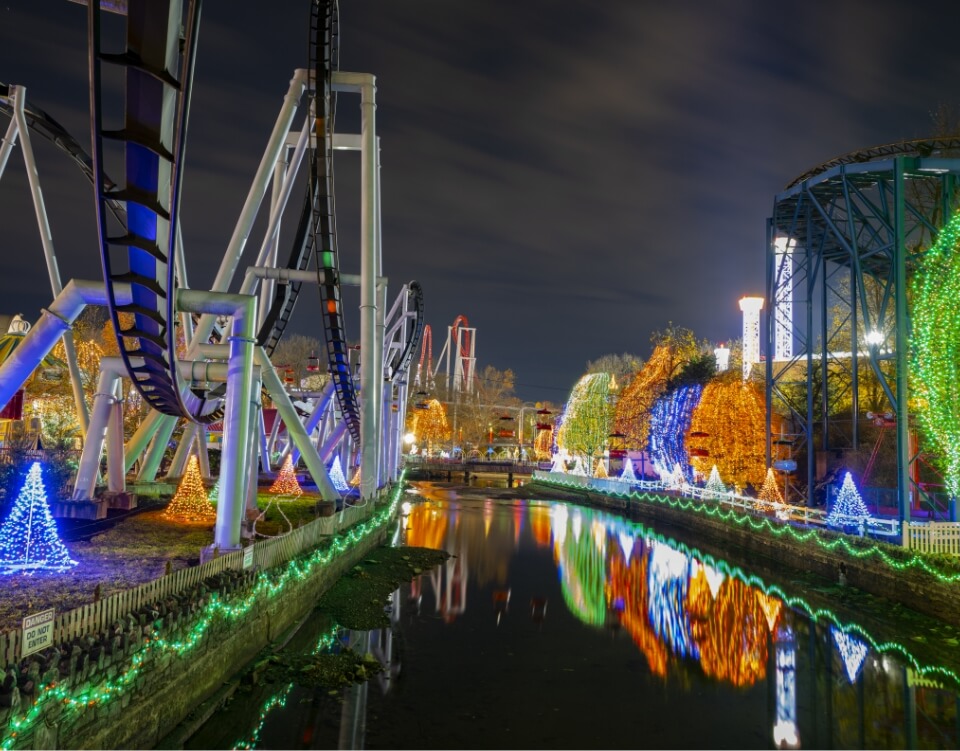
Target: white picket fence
column 937, row 536
column 96, row 617
column 932, row 537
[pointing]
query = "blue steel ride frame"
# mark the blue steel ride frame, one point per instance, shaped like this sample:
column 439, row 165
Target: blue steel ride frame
column 153, row 137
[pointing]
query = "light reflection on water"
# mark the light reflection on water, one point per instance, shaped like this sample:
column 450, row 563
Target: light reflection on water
column 560, row 626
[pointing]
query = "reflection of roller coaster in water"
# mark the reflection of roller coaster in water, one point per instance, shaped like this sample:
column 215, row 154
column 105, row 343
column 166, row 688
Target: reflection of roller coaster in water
column 172, row 339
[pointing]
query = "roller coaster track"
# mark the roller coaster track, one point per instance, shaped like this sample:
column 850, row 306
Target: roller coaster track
column 414, row 333
column 43, row 125
column 316, row 236
column 324, row 27
column 922, row 147
column 157, row 67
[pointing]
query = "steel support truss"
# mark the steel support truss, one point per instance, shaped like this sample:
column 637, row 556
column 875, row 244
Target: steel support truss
column 857, row 231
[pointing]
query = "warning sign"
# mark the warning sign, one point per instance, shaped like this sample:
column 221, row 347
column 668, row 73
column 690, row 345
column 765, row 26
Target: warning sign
column 37, row 632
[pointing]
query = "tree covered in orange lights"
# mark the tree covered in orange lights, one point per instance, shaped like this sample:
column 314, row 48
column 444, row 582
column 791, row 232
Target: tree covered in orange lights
column 543, row 444
column 673, row 349
column 729, row 425
column 429, row 424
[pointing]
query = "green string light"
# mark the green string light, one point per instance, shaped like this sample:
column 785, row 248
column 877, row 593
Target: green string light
column 936, row 348
column 268, row 583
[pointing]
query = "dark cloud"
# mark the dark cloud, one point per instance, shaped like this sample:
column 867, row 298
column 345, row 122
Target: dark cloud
column 569, row 175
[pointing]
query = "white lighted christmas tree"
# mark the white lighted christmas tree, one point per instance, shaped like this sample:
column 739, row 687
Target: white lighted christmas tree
column 600, row 470
column 714, row 487
column 559, row 462
column 190, row 502
column 848, row 504
column 337, row 477
column 28, row 537
column 578, row 468
column 628, row 475
column 286, row 482
column 677, row 480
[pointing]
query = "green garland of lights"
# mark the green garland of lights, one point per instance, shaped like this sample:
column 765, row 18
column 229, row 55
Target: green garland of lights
column 936, row 348
column 268, row 583
column 761, row 523
column 279, row 699
column 797, row 603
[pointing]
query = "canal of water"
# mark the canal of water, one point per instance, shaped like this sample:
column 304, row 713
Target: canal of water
column 558, row 626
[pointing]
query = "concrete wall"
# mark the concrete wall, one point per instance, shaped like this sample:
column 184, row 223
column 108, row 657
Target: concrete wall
column 168, row 686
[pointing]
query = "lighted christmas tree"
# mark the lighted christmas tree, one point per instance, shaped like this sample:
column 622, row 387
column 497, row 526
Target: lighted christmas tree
column 286, row 482
column 337, row 477
column 600, row 470
column 769, row 493
column 578, row 468
column 355, row 480
column 628, row 475
column 714, row 487
column 848, row 504
column 28, row 537
column 559, row 462
column 677, row 480
column 190, row 502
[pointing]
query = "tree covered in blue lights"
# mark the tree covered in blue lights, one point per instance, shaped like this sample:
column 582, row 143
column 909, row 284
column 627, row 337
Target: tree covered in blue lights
column 669, row 423
column 28, row 538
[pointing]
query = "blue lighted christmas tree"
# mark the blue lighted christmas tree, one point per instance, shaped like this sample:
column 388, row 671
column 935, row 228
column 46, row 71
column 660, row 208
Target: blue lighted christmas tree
column 337, row 477
column 28, row 537
column 628, row 475
column 848, row 504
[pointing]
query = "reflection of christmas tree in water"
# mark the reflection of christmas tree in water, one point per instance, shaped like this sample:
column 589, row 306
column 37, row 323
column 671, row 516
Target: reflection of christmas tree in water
column 28, row 537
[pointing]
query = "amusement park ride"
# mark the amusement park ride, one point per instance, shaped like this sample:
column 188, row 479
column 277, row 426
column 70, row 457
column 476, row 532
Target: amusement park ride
column 230, row 336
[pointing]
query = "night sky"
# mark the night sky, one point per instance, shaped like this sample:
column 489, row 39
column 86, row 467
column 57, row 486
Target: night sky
column 570, row 176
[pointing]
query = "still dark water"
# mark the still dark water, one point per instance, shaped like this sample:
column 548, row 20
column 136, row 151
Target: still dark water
column 556, row 626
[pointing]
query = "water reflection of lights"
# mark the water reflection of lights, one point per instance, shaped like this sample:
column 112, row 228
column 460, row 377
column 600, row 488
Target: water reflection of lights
column 853, row 652
column 785, row 732
column 406, row 507
column 626, row 545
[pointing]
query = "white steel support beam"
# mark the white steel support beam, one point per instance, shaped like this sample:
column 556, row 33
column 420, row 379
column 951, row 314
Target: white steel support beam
column 46, row 240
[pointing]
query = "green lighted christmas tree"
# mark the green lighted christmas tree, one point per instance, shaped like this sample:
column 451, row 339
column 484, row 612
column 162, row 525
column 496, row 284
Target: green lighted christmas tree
column 286, row 482
column 848, row 504
column 190, row 501
column 28, row 537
